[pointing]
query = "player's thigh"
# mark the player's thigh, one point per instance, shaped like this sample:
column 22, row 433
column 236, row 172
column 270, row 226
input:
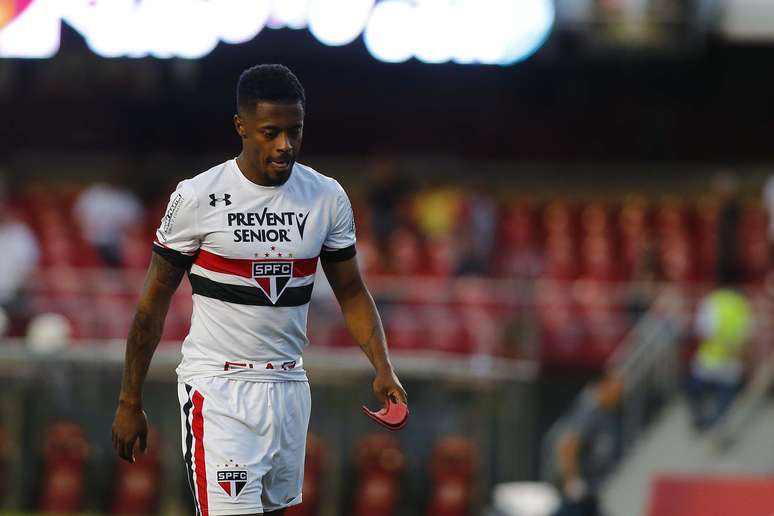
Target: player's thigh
column 282, row 483
column 225, row 460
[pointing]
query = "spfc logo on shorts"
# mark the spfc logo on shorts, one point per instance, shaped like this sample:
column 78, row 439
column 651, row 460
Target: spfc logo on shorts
column 272, row 277
column 232, row 481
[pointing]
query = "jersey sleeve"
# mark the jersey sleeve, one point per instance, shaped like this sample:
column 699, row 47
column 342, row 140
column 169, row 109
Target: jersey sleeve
column 339, row 245
column 178, row 238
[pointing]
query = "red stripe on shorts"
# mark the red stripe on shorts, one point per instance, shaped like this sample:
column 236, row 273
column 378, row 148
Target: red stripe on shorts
column 238, row 267
column 201, row 469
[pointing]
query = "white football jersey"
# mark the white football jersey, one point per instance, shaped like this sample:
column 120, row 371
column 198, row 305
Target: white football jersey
column 252, row 252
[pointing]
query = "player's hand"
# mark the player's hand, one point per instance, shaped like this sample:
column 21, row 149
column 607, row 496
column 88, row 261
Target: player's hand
column 129, row 425
column 386, row 385
column 575, row 489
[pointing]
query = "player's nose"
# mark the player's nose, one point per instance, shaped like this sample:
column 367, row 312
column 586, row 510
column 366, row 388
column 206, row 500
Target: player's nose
column 283, row 143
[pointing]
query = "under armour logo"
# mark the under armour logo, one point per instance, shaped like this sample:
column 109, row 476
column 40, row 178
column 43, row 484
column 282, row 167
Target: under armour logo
column 215, row 200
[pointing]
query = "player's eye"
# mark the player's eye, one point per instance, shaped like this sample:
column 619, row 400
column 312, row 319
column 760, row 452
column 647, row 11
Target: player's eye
column 270, row 134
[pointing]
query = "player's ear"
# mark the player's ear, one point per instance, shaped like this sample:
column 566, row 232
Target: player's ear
column 240, row 126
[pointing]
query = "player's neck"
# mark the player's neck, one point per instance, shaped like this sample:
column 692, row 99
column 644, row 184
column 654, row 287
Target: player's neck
column 252, row 174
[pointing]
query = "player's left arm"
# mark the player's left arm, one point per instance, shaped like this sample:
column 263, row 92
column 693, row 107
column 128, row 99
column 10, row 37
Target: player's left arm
column 364, row 324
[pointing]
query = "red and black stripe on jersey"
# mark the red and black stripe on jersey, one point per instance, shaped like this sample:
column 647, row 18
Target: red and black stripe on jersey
column 244, row 294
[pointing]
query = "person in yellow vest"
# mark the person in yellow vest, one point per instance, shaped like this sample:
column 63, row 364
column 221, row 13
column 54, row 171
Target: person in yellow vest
column 723, row 324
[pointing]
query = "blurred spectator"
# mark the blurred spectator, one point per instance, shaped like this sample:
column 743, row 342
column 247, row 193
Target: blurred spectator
column 518, row 253
column 104, row 212
column 724, row 324
column 723, row 320
column 405, row 253
column 477, row 231
column 644, row 282
column 386, row 190
column 726, row 188
column 588, row 447
column 437, row 209
column 21, row 255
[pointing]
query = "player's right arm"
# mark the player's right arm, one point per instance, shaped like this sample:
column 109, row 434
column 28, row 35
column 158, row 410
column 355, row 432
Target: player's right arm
column 177, row 240
column 130, row 423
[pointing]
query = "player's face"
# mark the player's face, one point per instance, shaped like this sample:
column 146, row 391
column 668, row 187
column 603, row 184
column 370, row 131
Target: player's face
column 271, row 139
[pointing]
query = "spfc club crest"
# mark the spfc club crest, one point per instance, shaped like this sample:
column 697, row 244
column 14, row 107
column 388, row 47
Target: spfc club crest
column 232, row 481
column 272, row 277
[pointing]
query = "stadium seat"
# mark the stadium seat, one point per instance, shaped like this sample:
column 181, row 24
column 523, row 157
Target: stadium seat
column 560, row 257
column 557, row 219
column 712, row 496
column 405, row 327
column 453, row 465
column 597, row 258
column 314, row 466
column 445, row 329
column 519, row 253
column 754, row 243
column 706, row 239
column 602, row 320
column 595, row 220
column 65, row 453
column 137, row 487
column 634, row 233
column 379, row 463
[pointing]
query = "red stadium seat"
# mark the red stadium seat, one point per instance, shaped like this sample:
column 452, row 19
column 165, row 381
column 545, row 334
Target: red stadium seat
column 314, row 466
column 445, row 329
column 406, row 254
column 754, row 243
column 65, row 452
column 561, row 332
column 518, row 251
column 602, row 320
column 405, row 327
column 561, row 263
column 634, row 234
column 597, row 258
column 137, row 487
column 452, row 469
column 595, row 220
column 676, row 262
column 712, row 496
column 517, row 225
column 557, row 219
column 379, row 463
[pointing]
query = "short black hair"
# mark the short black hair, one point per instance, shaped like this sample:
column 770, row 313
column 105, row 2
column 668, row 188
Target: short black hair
column 268, row 82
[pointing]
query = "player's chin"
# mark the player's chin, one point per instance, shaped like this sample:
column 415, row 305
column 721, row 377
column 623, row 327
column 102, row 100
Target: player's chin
column 279, row 175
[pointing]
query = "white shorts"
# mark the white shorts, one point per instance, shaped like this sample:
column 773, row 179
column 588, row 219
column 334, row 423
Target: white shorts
column 244, row 443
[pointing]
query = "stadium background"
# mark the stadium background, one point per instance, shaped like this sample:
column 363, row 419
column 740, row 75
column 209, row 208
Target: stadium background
column 525, row 228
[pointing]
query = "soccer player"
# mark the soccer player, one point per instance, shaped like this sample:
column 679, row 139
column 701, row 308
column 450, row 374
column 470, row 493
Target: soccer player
column 249, row 233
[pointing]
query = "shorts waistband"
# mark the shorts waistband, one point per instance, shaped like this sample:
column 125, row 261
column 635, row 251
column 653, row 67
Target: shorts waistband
column 276, row 365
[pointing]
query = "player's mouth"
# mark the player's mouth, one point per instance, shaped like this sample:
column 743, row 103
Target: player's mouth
column 281, row 164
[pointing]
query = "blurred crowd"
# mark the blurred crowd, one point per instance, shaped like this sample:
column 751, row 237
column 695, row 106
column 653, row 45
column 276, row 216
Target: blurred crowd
column 411, row 227
column 595, row 262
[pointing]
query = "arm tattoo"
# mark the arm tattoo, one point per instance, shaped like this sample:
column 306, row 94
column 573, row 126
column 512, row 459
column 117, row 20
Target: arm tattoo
column 148, row 324
column 366, row 344
column 166, row 273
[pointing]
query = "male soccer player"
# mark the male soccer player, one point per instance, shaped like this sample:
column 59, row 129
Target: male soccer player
column 249, row 232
